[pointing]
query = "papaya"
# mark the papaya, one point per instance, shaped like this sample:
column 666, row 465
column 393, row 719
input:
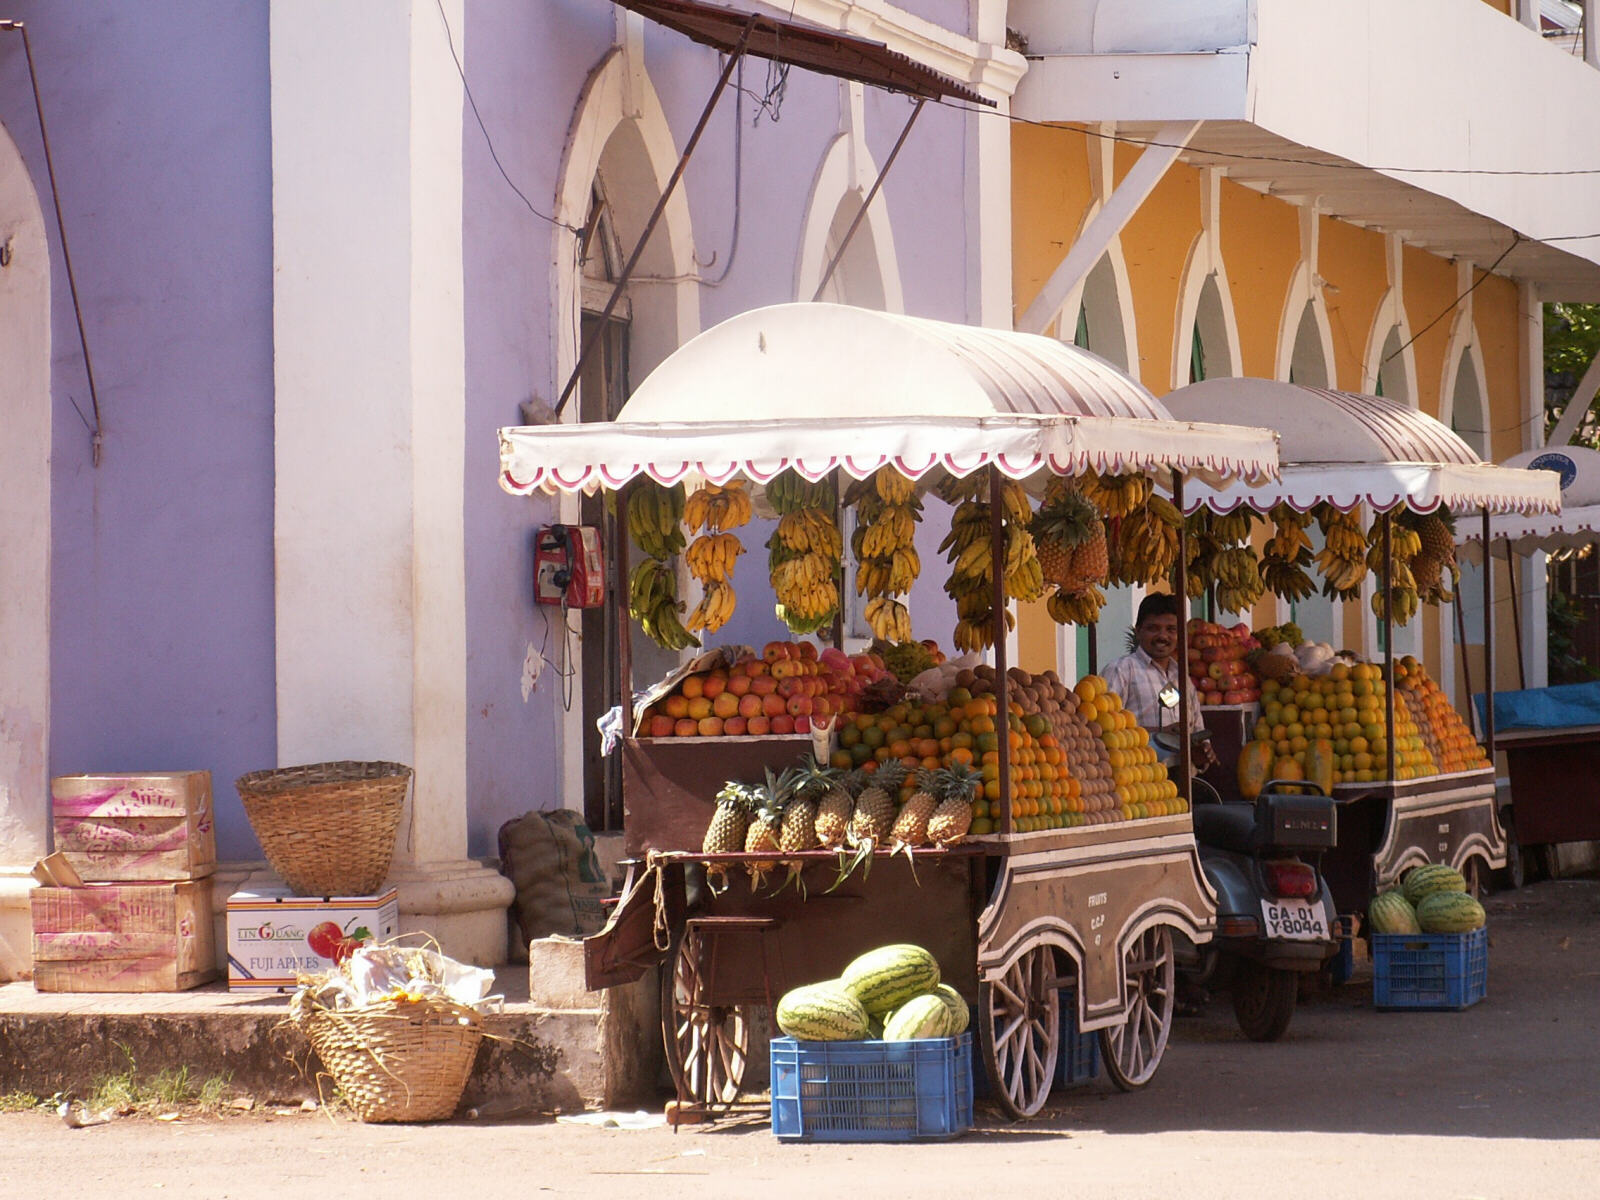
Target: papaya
column 1320, row 763
column 1288, row 768
column 1255, row 766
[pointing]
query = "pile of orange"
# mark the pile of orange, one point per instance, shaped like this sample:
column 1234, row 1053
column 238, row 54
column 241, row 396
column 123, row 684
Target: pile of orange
column 1450, row 741
column 1345, row 707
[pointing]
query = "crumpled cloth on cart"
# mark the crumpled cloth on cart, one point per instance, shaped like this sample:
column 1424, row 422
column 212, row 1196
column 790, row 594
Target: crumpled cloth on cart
column 1560, row 707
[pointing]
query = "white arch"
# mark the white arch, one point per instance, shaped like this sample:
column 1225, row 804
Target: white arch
column 1301, row 293
column 1117, row 262
column 25, row 412
column 842, row 181
column 1464, row 344
column 1203, row 263
column 618, row 95
column 1390, row 317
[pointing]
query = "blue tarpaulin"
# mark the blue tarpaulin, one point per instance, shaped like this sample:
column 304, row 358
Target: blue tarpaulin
column 1560, row 707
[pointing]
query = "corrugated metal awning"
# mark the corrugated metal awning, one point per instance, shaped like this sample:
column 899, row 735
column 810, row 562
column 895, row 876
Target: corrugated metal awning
column 1577, row 468
column 800, row 44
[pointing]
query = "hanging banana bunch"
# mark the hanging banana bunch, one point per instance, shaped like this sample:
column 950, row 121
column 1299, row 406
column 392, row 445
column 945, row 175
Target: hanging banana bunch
column 805, row 552
column 1204, row 548
column 969, row 549
column 653, row 602
column 1343, row 557
column 1144, row 546
column 1024, row 575
column 1115, row 495
column 710, row 559
column 884, row 546
column 1288, row 554
column 1076, row 608
column 1239, row 582
column 655, row 524
column 1401, row 599
column 655, row 520
column 715, row 507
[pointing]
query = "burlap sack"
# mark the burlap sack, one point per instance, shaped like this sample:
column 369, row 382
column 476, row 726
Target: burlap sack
column 550, row 858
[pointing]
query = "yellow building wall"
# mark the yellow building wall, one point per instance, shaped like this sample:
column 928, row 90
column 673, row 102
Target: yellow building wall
column 1259, row 241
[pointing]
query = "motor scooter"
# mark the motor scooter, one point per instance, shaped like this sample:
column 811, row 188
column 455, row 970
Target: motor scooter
column 1276, row 918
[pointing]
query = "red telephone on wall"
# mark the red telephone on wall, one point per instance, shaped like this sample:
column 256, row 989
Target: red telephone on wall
column 568, row 569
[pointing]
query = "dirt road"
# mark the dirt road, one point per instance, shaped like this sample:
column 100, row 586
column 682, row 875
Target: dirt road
column 1502, row 1100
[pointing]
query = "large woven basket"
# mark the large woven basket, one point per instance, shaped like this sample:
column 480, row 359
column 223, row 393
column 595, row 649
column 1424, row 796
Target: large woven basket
column 395, row 1060
column 327, row 828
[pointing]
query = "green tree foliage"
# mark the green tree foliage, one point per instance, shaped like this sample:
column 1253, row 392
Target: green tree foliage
column 1571, row 340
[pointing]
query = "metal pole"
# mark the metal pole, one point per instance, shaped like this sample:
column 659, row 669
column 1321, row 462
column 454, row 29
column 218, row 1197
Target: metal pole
column 1094, row 648
column 872, row 193
column 1488, row 641
column 655, row 216
column 1002, row 720
column 1466, row 665
column 844, row 582
column 1516, row 611
column 1385, row 528
column 1180, row 588
column 624, row 627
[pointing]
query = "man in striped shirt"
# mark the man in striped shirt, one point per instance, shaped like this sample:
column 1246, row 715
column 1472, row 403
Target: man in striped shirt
column 1141, row 676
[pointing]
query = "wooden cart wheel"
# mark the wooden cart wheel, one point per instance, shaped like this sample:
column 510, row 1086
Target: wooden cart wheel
column 707, row 1045
column 1133, row 1049
column 1021, row 1031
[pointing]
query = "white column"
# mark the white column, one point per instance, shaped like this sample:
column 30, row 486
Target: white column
column 1591, row 35
column 1531, row 578
column 1528, row 13
column 24, row 554
column 370, row 374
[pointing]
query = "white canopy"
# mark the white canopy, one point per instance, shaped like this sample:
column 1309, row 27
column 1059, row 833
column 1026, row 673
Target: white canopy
column 819, row 387
column 1347, row 449
column 1577, row 524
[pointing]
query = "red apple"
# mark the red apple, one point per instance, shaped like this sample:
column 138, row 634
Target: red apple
column 757, row 667
column 774, row 705
column 788, row 685
column 783, row 724
column 799, row 706
column 775, row 651
column 676, row 706
column 802, row 724
column 763, row 685
column 710, row 726
column 661, row 726
column 693, row 686
column 734, row 726
column 739, row 684
column 758, row 726
column 715, row 684
column 750, row 705
column 687, row 727
column 725, row 705
column 808, row 650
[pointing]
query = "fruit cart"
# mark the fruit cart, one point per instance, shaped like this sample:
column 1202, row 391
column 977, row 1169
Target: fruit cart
column 1018, row 915
column 1345, row 451
column 1551, row 735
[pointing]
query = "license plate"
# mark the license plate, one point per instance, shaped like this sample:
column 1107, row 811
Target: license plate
column 1296, row 920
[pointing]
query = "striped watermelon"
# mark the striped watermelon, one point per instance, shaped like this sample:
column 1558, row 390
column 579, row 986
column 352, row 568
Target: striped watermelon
column 885, row 978
column 1391, row 912
column 1449, row 912
column 960, row 1014
column 925, row 1016
column 1435, row 877
column 822, row 1012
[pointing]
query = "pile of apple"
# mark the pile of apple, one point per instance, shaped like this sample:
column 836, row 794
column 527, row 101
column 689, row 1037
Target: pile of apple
column 780, row 692
column 1217, row 663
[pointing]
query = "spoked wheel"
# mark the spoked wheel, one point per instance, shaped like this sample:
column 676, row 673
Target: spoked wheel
column 1476, row 872
column 1021, row 1031
column 1264, row 1000
column 1133, row 1049
column 707, row 1045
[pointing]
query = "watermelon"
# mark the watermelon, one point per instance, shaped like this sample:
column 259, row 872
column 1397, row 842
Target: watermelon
column 1435, row 877
column 885, row 978
column 1449, row 912
column 1391, row 912
column 960, row 1014
column 925, row 1016
column 822, row 1012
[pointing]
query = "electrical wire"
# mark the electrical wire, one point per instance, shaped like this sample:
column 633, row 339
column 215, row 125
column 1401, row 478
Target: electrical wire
column 1516, row 240
column 487, row 140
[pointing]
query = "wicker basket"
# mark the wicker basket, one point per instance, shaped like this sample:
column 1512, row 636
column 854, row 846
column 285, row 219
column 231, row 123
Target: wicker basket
column 395, row 1060
column 327, row 828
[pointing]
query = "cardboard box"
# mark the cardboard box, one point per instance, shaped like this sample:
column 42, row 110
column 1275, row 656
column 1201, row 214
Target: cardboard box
column 275, row 936
column 123, row 937
column 117, row 828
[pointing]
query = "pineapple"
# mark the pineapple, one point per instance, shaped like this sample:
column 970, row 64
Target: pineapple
column 761, row 836
column 875, row 808
column 835, row 803
column 951, row 820
column 726, row 833
column 797, row 824
column 911, row 826
column 1066, row 530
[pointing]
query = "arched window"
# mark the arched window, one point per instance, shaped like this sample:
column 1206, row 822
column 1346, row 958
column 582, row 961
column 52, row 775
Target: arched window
column 1208, row 340
column 1307, row 362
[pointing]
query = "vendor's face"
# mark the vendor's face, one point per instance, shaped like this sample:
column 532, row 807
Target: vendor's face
column 1158, row 636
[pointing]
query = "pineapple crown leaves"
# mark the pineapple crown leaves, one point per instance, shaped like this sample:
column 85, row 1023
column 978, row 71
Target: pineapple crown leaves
column 734, row 795
column 890, row 776
column 816, row 779
column 930, row 780
column 1066, row 516
column 959, row 781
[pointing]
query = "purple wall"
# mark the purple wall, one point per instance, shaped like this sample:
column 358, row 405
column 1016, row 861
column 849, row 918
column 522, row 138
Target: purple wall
column 527, row 64
column 162, row 597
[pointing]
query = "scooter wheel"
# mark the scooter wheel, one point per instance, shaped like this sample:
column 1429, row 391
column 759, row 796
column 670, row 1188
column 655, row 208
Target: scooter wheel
column 1264, row 1000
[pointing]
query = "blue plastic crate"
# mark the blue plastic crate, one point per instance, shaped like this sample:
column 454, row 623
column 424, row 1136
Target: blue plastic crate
column 1430, row 970
column 871, row 1091
column 1078, row 1060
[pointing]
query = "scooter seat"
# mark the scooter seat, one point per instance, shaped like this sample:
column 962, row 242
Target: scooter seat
column 1227, row 826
